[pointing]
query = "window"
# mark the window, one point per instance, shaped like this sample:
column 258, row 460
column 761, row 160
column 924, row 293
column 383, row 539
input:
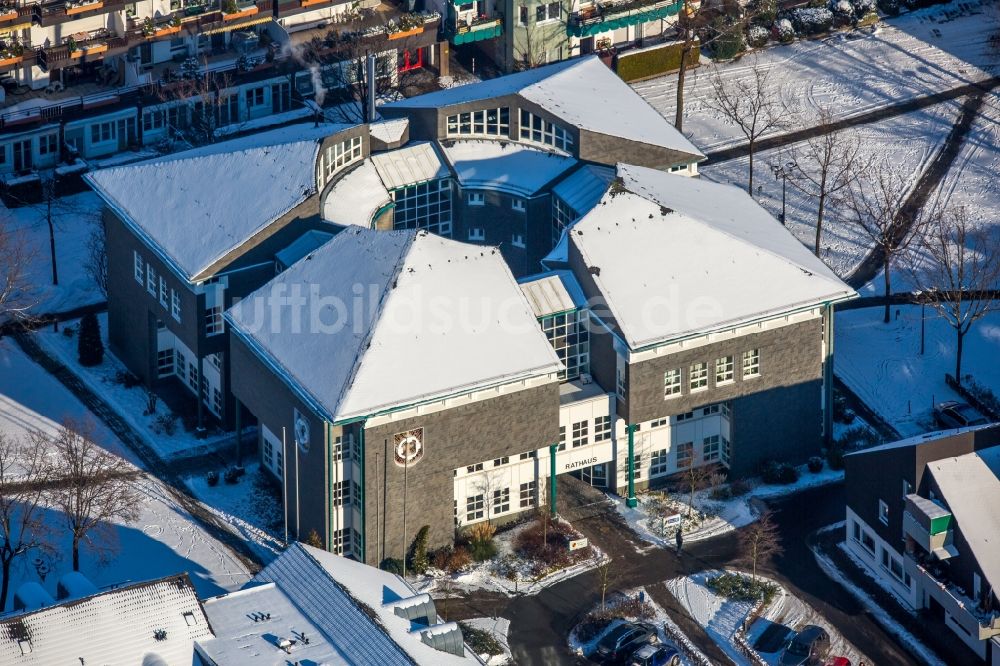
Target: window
column 163, row 293
column 658, row 463
column 165, row 362
column 580, row 433
column 685, row 454
column 341, row 542
column 686, row 416
column 724, row 370
column 602, row 428
column 175, row 305
column 477, row 234
column 517, row 240
column 153, row 120
column 562, row 438
column 659, row 423
column 548, row 12
column 138, row 267
column 501, row 501
column 216, row 405
column 150, row 280
column 255, row 96
column 48, row 144
column 538, row 130
column 214, row 324
column 894, row 566
column 907, row 487
column 478, row 467
column 525, row 456
column 474, row 507
column 563, row 215
column 620, row 383
column 526, row 495
column 341, row 493
column 486, row 122
column 337, row 452
column 517, row 204
column 883, row 512
column 476, row 199
column 710, row 448
column 671, row 383
column 637, row 466
column 423, row 206
column 710, row 409
column 751, row 363
column 699, row 376
column 570, row 338
column 215, row 360
column 102, row 132
column 501, row 461
column 339, row 155
column 523, row 15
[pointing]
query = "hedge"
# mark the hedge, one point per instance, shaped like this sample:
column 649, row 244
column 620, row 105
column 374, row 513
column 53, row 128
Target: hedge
column 654, row 61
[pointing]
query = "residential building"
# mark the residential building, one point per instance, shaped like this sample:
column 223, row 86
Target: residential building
column 920, row 519
column 152, row 622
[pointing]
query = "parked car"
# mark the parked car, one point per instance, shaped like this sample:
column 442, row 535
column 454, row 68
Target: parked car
column 623, row 640
column 656, row 655
column 839, row 661
column 954, row 414
column 807, row 648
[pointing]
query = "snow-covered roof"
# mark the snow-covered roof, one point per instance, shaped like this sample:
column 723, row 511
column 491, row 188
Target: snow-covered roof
column 337, row 594
column 356, row 197
column 504, row 167
column 924, row 438
column 415, row 341
column 970, row 486
column 582, row 190
column 416, row 163
column 302, row 246
column 552, row 292
column 119, row 626
column 389, row 131
column 675, row 256
column 583, row 92
column 195, row 207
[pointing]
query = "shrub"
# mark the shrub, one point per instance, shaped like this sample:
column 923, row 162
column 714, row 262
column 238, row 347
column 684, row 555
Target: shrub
column 757, row 36
column 89, row 347
column 778, row 473
column 721, row 493
column 652, row 62
column 783, row 31
column 212, row 478
column 984, row 395
column 481, row 541
column 835, row 458
column 815, row 464
column 812, row 20
column 740, row 487
column 439, row 558
column 742, row 588
column 729, row 42
column 762, row 12
column 314, row 540
column 419, row 561
column 858, row 437
column 843, row 11
column 127, row 379
column 863, row 7
column 458, row 560
column 392, row 565
column 549, row 548
column 164, row 424
column 889, row 7
column 68, row 332
column 480, row 640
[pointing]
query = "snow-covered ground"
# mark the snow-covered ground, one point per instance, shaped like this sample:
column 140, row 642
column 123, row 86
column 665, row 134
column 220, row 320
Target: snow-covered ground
column 130, row 403
column 910, row 141
column 881, row 363
column 164, row 540
column 499, row 628
column 720, row 516
column 918, row 53
column 722, row 618
column 74, row 219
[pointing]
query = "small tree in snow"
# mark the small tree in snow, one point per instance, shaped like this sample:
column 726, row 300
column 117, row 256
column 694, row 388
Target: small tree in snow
column 15, row 283
column 760, row 541
column 89, row 347
column 97, row 257
column 604, row 576
column 956, row 267
column 697, row 477
column 753, row 103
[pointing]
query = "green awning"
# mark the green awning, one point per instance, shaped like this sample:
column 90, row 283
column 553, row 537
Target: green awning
column 476, row 34
column 611, row 21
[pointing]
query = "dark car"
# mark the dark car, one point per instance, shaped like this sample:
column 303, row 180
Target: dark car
column 623, row 640
column 655, row 655
column 953, row 414
column 807, row 648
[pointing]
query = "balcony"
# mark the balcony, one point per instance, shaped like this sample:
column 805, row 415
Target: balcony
column 475, row 30
column 981, row 625
column 16, row 17
column 53, row 13
column 81, row 48
column 606, row 16
column 929, row 525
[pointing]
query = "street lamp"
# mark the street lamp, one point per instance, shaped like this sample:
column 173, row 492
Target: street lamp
column 782, row 171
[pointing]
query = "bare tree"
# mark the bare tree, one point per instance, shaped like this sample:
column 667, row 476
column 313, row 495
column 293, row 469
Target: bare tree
column 875, row 204
column 955, row 270
column 97, row 257
column 25, row 471
column 760, row 541
column 604, row 575
column 207, row 99
column 752, row 103
column 94, row 488
column 16, row 296
column 826, row 165
column 697, row 477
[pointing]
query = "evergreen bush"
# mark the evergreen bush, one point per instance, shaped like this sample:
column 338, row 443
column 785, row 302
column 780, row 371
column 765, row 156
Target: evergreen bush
column 89, row 347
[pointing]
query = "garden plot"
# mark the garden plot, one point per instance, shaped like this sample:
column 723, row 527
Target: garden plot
column 165, row 540
column 724, row 619
column 488, row 637
column 911, row 142
column 882, row 364
column 919, row 53
column 74, row 219
column 163, row 431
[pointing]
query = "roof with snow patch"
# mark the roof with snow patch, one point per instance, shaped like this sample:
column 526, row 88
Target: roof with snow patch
column 583, row 92
column 504, row 167
column 553, row 292
column 675, row 256
column 416, row 163
column 197, row 206
column 582, row 190
column 356, row 197
column 415, row 340
column 114, row 627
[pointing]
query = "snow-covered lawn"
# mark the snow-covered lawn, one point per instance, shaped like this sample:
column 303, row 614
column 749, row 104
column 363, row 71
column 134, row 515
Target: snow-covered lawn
column 74, row 219
column 882, row 364
column 722, row 618
column 130, row 403
column 910, row 141
column 164, row 540
column 918, row 53
column 711, row 517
